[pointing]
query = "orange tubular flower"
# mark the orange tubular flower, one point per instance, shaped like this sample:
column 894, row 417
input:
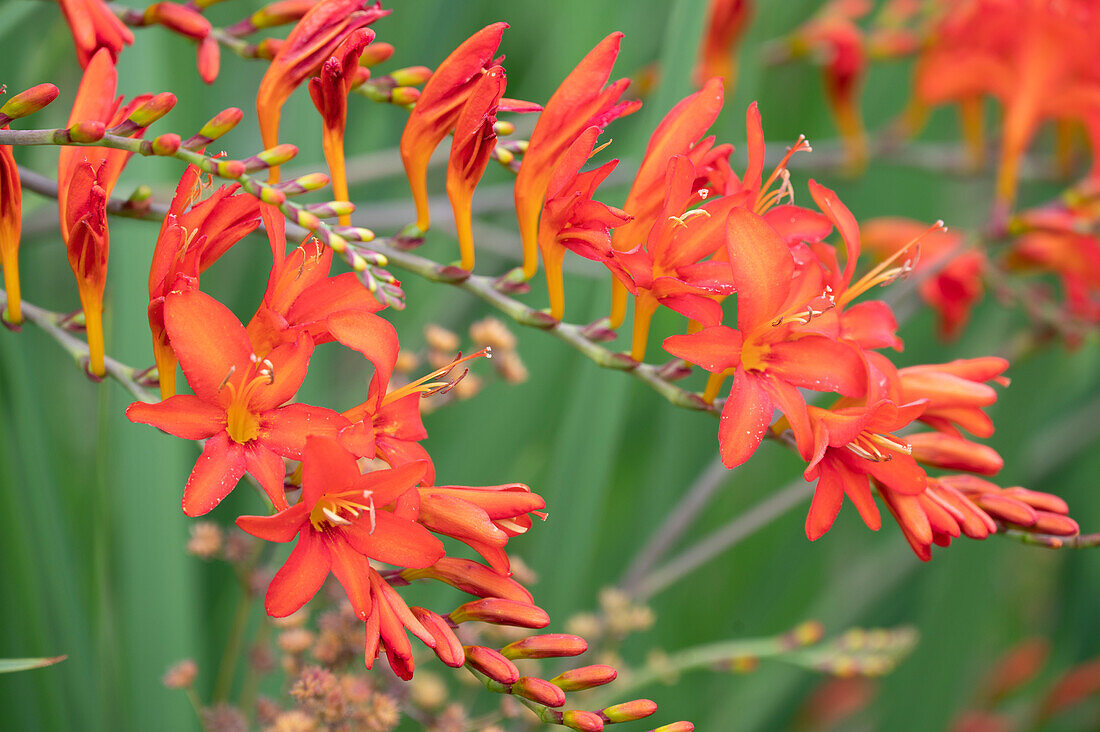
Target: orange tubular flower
column 236, row 405
column 668, row 270
column 582, row 101
column 571, row 219
column 85, row 179
column 11, row 215
column 442, row 100
column 678, row 134
column 955, row 393
column 301, row 55
column 957, row 284
column 768, row 356
column 329, row 92
column 342, row 523
column 475, row 137
column 301, row 297
column 192, row 237
column 94, row 26
column 725, row 24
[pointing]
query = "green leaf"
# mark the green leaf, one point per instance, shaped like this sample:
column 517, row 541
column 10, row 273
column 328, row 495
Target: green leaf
column 9, row 665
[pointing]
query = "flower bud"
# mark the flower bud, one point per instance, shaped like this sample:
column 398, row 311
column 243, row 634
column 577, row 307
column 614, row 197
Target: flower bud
column 1053, row 523
column 331, row 209
column 581, row 720
column 586, row 677
column 492, row 664
column 271, row 157
column 629, row 711
column 404, row 96
column 358, row 233
column 551, row 645
column 1038, row 500
column 676, row 727
column 167, row 144
column 411, row 76
column 1006, row 509
column 232, row 169
column 219, row 125
column 447, row 645
column 269, row 48
column 269, row 16
column 90, row 131
column 954, row 453
column 504, row 127
column 304, row 184
column 178, row 18
column 28, row 102
column 375, row 54
column 499, row 611
column 470, row 576
column 539, row 690
column 208, row 57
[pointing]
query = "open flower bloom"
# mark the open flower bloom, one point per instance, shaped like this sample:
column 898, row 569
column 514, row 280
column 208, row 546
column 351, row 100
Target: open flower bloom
column 957, row 283
column 314, row 39
column 669, row 269
column 474, row 139
column 85, row 178
column 582, row 101
column 441, row 102
column 572, row 219
column 768, row 355
column 192, row 237
column 329, row 92
column 11, row 222
column 679, row 133
column 237, row 402
column 725, row 24
column 95, row 26
column 341, row 523
column 301, row 297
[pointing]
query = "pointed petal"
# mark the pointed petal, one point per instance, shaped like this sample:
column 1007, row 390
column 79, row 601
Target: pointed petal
column 282, row 526
column 715, row 349
column 394, row 541
column 289, row 364
column 745, row 418
column 326, row 468
column 386, row 486
column 208, row 339
column 821, row 364
column 762, row 268
column 828, row 498
column 284, row 430
column 182, row 415
column 352, row 570
column 373, row 337
column 216, row 473
column 269, row 471
column 298, row 580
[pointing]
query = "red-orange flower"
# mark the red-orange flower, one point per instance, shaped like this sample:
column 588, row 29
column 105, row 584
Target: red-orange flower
column 11, row 222
column 474, row 138
column 768, row 356
column 679, row 133
column 342, row 523
column 572, row 219
column 95, row 26
column 329, row 92
column 580, row 102
column 237, row 402
column 313, row 40
column 192, row 237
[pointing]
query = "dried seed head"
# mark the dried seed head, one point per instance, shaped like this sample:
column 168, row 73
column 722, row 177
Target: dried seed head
column 296, row 641
column 510, row 367
column 439, row 338
column 206, row 539
column 181, row 675
column 493, row 333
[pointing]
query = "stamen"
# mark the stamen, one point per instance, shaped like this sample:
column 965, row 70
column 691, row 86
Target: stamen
column 335, row 517
column 369, row 495
column 232, row 370
column 884, row 273
column 800, row 145
column 703, row 193
column 683, row 218
column 425, row 386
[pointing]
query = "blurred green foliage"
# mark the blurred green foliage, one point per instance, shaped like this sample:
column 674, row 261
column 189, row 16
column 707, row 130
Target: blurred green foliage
column 93, row 563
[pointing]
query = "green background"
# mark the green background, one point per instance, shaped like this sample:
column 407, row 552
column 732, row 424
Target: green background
column 92, row 560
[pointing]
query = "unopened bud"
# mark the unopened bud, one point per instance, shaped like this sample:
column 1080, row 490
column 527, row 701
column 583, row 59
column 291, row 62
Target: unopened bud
column 269, row 16
column 181, row 675
column 28, row 102
column 586, row 677
column 220, row 124
column 1053, row 523
column 675, row 727
column 503, row 155
column 152, row 110
column 499, row 611
column 140, row 199
column 492, row 664
column 447, row 645
column 232, row 169
column 375, row 54
column 355, row 233
column 411, row 76
column 539, row 690
column 167, row 144
column 208, row 57
column 268, row 48
column 178, row 18
column 304, row 184
column 404, row 96
column 88, row 131
column 551, row 645
column 331, row 209
column 954, row 453
column 581, row 720
column 808, row 633
column 271, row 157
column 503, row 127
column 629, row 711
column 463, row 574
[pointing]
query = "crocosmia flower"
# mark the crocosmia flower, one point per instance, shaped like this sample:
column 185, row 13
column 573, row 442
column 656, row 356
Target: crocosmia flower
column 238, row 402
column 582, row 101
column 11, row 222
column 94, row 26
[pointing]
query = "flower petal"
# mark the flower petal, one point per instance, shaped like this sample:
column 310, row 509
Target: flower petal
column 208, row 339
column 326, row 468
column 352, row 570
column 289, row 362
column 268, row 470
column 394, row 541
column 762, row 268
column 715, row 349
column 284, row 430
column 387, row 485
column 298, row 580
column 745, row 419
column 182, row 415
column 216, row 473
column 282, row 526
column 821, row 364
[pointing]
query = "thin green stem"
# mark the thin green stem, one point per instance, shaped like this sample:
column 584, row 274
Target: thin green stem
column 228, row 667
